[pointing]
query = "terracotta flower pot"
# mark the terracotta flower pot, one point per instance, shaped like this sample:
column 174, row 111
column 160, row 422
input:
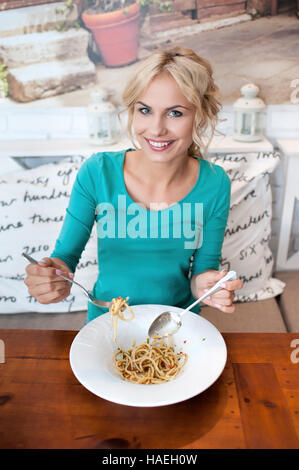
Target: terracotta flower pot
column 116, row 34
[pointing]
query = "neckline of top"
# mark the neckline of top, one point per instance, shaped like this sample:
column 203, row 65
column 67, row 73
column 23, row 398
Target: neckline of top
column 166, row 208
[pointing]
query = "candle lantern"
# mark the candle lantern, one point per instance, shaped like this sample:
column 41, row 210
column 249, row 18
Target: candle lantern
column 249, row 115
column 102, row 119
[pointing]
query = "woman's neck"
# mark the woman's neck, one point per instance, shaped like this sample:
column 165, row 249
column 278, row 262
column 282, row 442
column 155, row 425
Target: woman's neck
column 159, row 175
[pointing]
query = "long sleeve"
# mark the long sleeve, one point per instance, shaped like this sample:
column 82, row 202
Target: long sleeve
column 78, row 221
column 208, row 255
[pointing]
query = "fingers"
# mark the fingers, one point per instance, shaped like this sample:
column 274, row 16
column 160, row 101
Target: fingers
column 50, row 292
column 44, row 280
column 225, row 309
column 233, row 285
column 38, row 270
column 52, row 297
column 214, row 277
column 225, row 306
column 223, row 294
column 223, row 300
column 50, row 287
column 44, row 273
column 46, row 262
column 216, row 302
column 44, row 283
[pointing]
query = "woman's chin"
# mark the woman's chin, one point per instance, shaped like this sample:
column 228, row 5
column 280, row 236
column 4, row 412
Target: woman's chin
column 159, row 156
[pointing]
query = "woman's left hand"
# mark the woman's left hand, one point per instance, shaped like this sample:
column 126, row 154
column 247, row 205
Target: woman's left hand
column 223, row 299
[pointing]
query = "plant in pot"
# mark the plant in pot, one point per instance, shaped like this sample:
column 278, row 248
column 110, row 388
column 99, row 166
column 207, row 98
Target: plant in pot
column 115, row 28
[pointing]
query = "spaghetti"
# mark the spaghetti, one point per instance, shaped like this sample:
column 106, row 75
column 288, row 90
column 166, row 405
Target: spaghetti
column 118, row 306
column 146, row 363
column 150, row 363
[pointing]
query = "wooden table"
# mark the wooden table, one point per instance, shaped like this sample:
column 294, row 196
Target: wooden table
column 253, row 405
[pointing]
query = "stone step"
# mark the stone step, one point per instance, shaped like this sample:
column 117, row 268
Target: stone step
column 16, row 51
column 39, row 81
column 35, row 19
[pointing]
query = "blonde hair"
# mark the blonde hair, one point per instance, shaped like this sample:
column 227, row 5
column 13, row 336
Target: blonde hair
column 194, row 76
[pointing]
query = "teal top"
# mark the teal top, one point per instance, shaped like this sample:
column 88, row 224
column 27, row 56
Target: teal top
column 146, row 255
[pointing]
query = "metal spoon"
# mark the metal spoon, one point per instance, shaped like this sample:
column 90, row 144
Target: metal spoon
column 91, row 298
column 168, row 323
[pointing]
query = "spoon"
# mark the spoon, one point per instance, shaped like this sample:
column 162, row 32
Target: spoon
column 91, row 298
column 168, row 323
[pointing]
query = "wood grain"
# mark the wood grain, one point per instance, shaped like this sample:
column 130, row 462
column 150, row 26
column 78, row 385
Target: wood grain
column 10, row 4
column 220, row 10
column 253, row 404
column 261, row 347
column 265, row 415
column 214, row 3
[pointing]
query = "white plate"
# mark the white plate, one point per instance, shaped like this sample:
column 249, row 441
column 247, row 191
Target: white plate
column 91, row 358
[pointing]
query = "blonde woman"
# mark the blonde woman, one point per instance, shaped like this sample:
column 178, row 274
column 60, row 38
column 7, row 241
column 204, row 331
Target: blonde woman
column 161, row 209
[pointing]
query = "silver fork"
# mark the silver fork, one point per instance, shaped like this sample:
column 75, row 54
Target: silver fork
column 91, row 298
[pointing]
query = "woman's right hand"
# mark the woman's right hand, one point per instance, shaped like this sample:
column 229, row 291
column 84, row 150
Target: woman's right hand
column 43, row 282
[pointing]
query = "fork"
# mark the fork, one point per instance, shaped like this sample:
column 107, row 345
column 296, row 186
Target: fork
column 91, row 298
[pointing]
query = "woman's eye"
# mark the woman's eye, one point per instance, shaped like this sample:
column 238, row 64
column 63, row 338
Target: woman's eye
column 143, row 110
column 172, row 113
column 176, row 113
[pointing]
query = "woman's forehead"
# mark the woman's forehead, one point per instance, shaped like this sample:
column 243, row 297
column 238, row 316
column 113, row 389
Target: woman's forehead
column 163, row 91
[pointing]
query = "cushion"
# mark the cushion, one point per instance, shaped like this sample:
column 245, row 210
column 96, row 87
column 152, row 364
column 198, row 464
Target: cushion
column 246, row 243
column 249, row 317
column 44, row 321
column 33, row 208
column 289, row 299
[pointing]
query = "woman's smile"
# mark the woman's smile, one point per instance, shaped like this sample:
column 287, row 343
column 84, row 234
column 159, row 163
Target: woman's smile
column 159, row 145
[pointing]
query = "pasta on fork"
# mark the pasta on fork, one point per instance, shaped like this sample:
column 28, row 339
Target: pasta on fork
column 118, row 306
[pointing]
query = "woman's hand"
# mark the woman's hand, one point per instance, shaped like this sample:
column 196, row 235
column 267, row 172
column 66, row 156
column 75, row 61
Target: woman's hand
column 223, row 299
column 44, row 284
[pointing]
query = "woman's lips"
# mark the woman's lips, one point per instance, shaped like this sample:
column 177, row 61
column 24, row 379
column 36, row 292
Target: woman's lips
column 161, row 147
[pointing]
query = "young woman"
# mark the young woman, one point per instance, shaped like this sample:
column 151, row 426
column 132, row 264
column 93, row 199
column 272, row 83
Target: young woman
column 161, row 209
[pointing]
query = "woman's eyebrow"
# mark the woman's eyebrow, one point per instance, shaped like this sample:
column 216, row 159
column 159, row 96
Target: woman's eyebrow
column 167, row 109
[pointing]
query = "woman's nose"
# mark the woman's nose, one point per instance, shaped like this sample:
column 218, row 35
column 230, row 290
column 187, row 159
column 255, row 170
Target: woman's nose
column 158, row 126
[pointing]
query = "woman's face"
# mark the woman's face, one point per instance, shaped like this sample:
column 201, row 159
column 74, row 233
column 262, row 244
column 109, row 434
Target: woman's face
column 163, row 120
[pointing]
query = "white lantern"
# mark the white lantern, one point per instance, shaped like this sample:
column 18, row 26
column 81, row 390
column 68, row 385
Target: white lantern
column 249, row 115
column 102, row 119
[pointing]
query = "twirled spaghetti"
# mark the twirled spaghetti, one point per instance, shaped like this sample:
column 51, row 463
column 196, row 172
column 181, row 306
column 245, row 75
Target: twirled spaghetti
column 118, row 306
column 147, row 363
